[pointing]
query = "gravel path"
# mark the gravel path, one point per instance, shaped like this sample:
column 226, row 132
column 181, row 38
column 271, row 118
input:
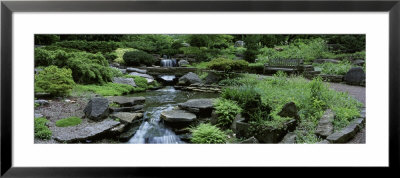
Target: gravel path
column 358, row 92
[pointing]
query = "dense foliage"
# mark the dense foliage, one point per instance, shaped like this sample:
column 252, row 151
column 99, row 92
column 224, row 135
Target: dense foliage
column 207, row 133
column 90, row 46
column 137, row 58
column 226, row 111
column 227, row 65
column 55, row 81
column 86, row 67
column 249, row 99
column 41, row 130
column 334, row 69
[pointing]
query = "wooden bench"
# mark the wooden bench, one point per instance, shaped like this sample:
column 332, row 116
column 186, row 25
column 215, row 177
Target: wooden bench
column 286, row 65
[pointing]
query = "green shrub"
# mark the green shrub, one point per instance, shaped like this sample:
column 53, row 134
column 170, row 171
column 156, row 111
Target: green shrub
column 249, row 99
column 240, row 80
column 227, row 65
column 136, row 58
column 256, row 68
column 90, row 46
column 108, row 89
column 334, row 69
column 200, row 53
column 46, row 39
column 45, row 57
column 89, row 68
column 307, row 50
column 53, row 80
column 54, row 48
column 116, row 72
column 110, row 57
column 67, row 122
column 343, row 116
column 120, row 53
column 227, row 111
column 207, row 133
column 86, row 67
column 148, row 43
column 170, row 52
column 250, row 55
column 41, row 130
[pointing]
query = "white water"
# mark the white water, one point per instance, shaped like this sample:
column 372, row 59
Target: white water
column 152, row 130
column 168, row 78
column 168, row 62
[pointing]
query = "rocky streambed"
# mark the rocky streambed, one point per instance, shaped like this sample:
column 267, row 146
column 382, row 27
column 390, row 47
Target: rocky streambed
column 137, row 118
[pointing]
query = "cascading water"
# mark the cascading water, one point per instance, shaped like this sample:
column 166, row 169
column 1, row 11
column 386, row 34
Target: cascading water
column 165, row 62
column 168, row 62
column 152, row 129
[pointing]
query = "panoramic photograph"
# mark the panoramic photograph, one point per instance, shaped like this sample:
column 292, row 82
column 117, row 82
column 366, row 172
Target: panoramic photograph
column 199, row 89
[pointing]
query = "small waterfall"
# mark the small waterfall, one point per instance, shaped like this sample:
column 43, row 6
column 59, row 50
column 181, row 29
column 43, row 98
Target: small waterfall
column 165, row 62
column 153, row 131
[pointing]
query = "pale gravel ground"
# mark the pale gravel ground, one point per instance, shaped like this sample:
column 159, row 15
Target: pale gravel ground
column 358, row 92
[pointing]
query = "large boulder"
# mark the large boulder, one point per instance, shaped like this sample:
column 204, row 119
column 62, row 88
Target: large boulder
column 183, row 62
column 122, row 80
column 42, row 102
column 201, row 107
column 178, row 118
column 127, row 117
column 325, row 124
column 212, row 77
column 125, row 101
column 88, row 131
column 189, row 78
column 268, row 134
column 355, row 76
column 289, row 110
column 131, row 69
column 97, row 109
column 290, row 138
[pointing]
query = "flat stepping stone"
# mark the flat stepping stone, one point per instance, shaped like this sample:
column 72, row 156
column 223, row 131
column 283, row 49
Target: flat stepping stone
column 178, row 116
column 126, row 101
column 346, row 133
column 131, row 69
column 122, row 80
column 83, row 132
column 127, row 117
column 202, row 107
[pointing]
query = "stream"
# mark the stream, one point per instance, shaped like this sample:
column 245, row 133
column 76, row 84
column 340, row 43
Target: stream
column 152, row 130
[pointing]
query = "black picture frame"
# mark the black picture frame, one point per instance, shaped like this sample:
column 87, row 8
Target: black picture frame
column 8, row 7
